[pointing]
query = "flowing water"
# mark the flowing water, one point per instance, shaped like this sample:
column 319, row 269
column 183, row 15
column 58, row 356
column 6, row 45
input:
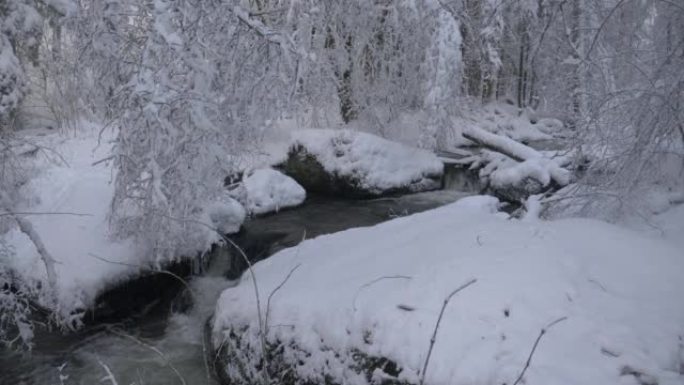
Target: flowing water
column 163, row 346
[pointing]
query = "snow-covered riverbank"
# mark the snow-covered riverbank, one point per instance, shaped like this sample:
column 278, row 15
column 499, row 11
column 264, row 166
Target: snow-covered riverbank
column 374, row 293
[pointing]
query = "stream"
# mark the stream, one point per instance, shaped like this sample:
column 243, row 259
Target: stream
column 164, row 345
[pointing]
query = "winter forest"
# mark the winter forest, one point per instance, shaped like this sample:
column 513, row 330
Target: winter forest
column 355, row 192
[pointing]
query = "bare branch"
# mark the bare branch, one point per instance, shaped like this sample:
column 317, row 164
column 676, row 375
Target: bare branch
column 12, row 213
column 268, row 301
column 439, row 319
column 534, row 347
column 365, row 285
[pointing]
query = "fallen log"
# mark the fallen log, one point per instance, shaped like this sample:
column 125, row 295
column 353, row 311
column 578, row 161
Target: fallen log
column 518, row 152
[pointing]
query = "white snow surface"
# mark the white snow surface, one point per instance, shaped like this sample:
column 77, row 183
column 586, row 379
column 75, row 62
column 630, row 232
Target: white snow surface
column 380, row 290
column 378, row 164
column 504, row 171
column 226, row 214
column 268, row 190
column 67, row 181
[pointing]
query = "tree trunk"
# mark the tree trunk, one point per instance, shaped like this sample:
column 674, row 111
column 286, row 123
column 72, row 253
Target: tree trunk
column 344, row 90
column 470, row 48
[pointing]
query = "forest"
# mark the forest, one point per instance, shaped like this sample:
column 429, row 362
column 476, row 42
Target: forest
column 342, row 192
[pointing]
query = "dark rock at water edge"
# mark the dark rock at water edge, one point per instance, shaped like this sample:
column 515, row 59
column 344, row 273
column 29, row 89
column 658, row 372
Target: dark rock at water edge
column 306, row 169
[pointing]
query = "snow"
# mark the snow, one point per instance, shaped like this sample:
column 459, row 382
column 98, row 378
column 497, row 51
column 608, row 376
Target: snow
column 375, row 163
column 509, row 121
column 70, row 180
column 226, row 214
column 503, row 171
column 512, row 147
column 380, row 290
column 539, row 169
column 268, row 190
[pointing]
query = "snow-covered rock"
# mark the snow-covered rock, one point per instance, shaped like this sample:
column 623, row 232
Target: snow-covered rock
column 358, row 164
column 362, row 305
column 266, row 190
column 227, row 215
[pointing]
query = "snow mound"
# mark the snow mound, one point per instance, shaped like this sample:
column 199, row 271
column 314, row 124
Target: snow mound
column 227, row 215
column 267, row 190
column 373, row 295
column 371, row 164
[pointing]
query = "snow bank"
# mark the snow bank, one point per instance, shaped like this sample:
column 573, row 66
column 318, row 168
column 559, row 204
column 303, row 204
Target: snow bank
column 377, row 292
column 370, row 163
column 266, row 190
column 70, row 181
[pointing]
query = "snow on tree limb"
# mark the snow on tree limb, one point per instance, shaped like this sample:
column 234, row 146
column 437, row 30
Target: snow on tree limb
column 498, row 143
column 270, row 34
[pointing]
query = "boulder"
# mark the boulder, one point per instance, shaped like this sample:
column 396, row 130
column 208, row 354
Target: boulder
column 359, row 165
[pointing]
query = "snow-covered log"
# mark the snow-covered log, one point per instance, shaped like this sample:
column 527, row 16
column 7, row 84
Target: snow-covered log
column 529, row 158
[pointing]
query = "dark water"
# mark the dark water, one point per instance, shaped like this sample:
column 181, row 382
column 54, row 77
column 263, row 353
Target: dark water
column 163, row 346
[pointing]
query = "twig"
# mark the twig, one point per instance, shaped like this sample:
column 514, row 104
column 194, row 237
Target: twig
column 254, row 283
column 597, row 283
column 103, row 160
column 44, row 213
column 150, row 347
column 148, row 269
column 268, row 301
column 109, row 377
column 534, row 347
column 439, row 319
column 374, row 282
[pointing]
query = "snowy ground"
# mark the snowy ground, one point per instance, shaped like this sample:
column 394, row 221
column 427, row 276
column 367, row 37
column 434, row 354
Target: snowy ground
column 379, row 290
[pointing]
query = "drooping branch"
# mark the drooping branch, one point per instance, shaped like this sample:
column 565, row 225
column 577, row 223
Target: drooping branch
column 26, row 227
column 534, row 348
